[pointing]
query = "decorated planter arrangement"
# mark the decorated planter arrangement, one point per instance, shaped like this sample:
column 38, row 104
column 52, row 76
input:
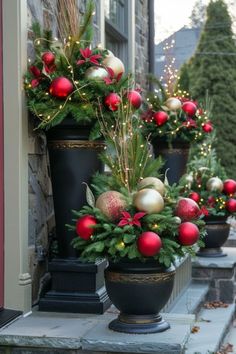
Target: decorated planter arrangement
column 67, row 86
column 173, row 124
column 207, row 184
column 138, row 223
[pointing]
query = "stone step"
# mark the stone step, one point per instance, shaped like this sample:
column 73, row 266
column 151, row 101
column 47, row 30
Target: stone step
column 231, row 241
column 55, row 333
column 231, row 338
column 74, row 333
column 219, row 272
column 213, row 325
column 191, row 299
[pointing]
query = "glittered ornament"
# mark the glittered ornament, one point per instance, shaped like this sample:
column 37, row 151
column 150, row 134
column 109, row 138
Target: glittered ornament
column 149, row 201
column 187, row 209
column 195, row 196
column 111, row 204
column 60, row 87
column 207, row 127
column 188, row 234
column 112, row 101
column 229, row 186
column 215, row 184
column 152, row 182
column 149, row 244
column 190, row 108
column 48, row 58
column 115, row 64
column 84, row 226
column 109, row 54
column 134, row 98
column 160, row 117
column 173, row 103
column 96, row 73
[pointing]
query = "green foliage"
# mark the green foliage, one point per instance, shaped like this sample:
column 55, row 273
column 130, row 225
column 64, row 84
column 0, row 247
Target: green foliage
column 203, row 165
column 179, row 126
column 212, row 69
column 115, row 242
column 84, row 103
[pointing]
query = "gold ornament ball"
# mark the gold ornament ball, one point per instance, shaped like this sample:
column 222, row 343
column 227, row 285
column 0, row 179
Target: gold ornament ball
column 115, row 64
column 215, row 184
column 153, row 183
column 149, row 201
column 96, row 73
column 173, row 103
column 111, row 204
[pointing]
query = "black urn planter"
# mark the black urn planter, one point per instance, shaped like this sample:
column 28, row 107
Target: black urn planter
column 175, row 157
column 217, row 233
column 139, row 291
column 75, row 286
column 73, row 160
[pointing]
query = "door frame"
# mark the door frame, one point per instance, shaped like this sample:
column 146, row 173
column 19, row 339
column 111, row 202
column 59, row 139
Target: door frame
column 17, row 280
column 1, row 173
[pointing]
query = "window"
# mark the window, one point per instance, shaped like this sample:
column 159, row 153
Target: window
column 116, row 28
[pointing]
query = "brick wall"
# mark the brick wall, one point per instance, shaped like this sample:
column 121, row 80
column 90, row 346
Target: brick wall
column 41, row 221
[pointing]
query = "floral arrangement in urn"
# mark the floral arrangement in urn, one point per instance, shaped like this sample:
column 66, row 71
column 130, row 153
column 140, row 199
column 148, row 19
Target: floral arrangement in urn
column 207, row 184
column 134, row 214
column 176, row 118
column 67, row 78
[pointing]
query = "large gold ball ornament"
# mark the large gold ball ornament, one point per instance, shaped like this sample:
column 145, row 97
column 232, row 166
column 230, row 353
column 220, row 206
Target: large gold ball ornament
column 96, row 73
column 215, row 184
column 153, row 183
column 173, row 103
column 111, row 204
column 115, row 64
column 149, row 201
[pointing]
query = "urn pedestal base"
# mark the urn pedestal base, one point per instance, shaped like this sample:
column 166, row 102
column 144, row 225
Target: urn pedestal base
column 139, row 324
column 76, row 287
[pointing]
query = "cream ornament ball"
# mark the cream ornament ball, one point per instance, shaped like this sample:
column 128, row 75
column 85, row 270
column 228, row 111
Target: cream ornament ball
column 215, row 184
column 115, row 64
column 96, row 73
column 148, row 200
column 173, row 103
column 153, row 183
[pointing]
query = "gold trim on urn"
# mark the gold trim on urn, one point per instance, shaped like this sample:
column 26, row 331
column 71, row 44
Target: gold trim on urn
column 76, row 144
column 138, row 278
column 175, row 151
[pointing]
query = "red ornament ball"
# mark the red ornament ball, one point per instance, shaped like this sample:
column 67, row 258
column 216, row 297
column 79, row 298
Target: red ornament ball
column 207, row 127
column 149, row 244
column 83, row 226
column 229, row 186
column 190, row 108
column 112, row 101
column 195, row 196
column 187, row 209
column 111, row 204
column 211, row 201
column 231, row 205
column 134, row 98
column 160, row 117
column 48, row 58
column 60, row 87
column 188, row 234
